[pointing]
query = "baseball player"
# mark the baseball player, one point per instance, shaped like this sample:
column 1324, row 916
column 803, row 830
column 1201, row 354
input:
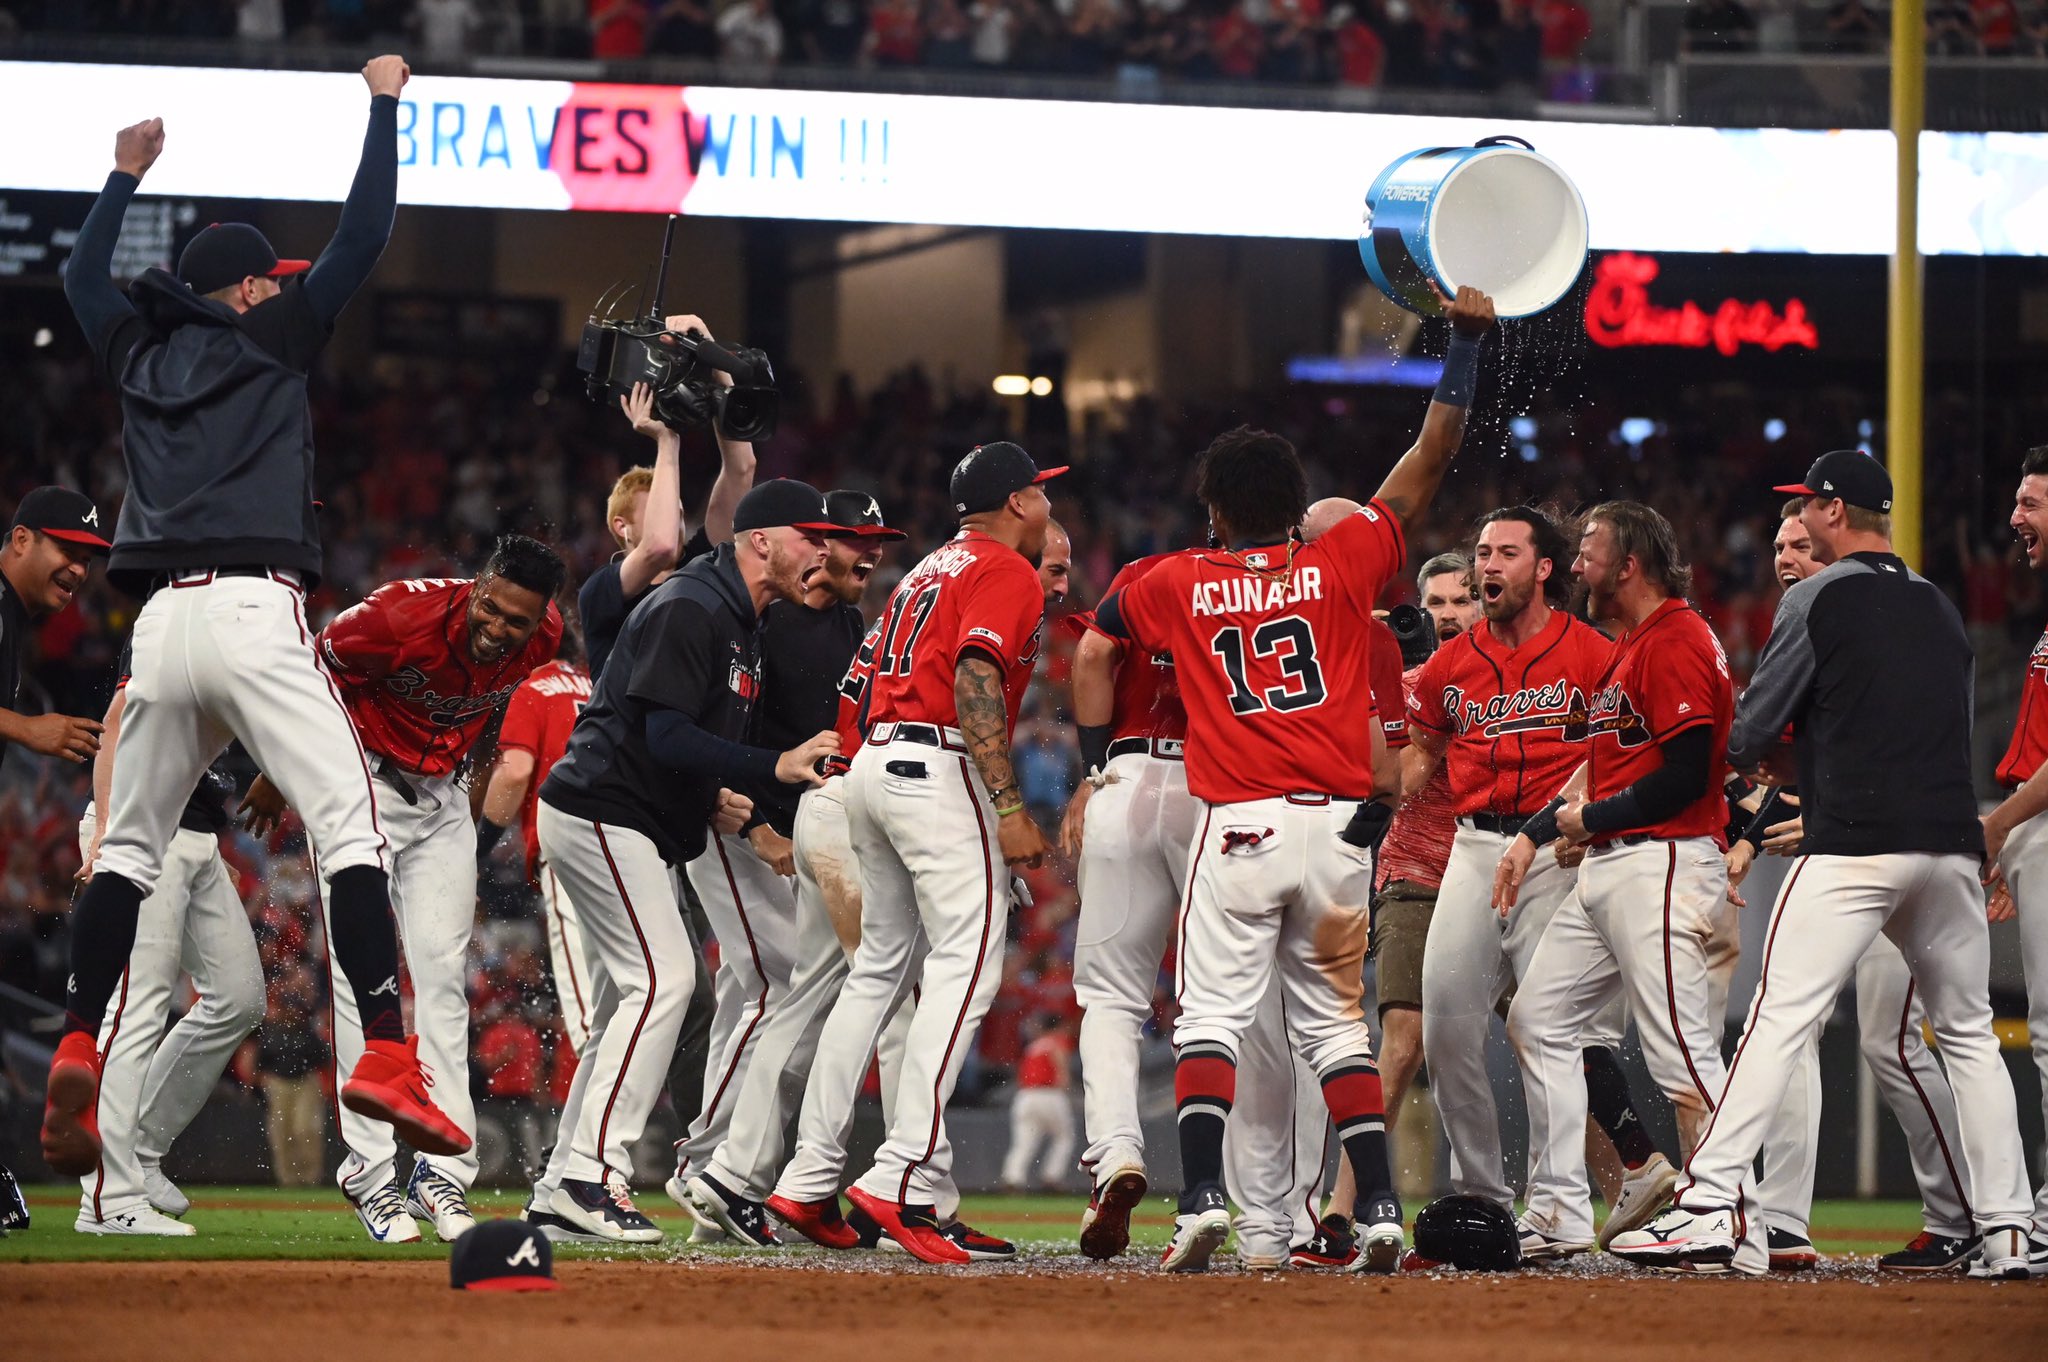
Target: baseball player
column 151, row 1083
column 645, row 515
column 1648, row 805
column 650, row 772
column 1042, row 1110
column 44, row 560
column 746, row 884
column 1495, row 708
column 935, row 817
column 1870, row 665
column 1269, row 647
column 218, row 530
column 1889, row 1014
column 2015, row 833
column 423, row 665
column 538, row 720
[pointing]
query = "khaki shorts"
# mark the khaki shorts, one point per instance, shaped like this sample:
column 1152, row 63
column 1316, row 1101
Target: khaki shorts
column 1400, row 926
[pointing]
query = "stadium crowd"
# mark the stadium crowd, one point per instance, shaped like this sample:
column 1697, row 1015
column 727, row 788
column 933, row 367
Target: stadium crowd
column 422, row 467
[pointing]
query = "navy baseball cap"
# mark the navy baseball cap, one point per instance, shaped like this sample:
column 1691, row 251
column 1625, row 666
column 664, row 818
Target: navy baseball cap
column 502, row 1255
column 1850, row 474
column 991, row 473
column 783, row 501
column 229, row 252
column 62, row 514
column 858, row 516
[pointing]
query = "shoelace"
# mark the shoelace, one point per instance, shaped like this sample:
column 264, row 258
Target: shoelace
column 621, row 1198
column 385, row 1203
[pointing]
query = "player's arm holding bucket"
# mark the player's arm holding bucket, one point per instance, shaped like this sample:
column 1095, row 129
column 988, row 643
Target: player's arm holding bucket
column 1412, row 483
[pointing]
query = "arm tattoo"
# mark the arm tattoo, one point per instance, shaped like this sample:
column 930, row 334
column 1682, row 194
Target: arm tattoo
column 985, row 722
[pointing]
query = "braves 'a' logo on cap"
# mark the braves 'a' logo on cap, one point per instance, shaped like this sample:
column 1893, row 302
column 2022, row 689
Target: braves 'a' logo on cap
column 92, row 515
column 526, row 1254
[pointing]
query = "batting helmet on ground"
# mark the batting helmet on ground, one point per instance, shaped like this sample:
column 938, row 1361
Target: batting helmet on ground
column 1467, row 1232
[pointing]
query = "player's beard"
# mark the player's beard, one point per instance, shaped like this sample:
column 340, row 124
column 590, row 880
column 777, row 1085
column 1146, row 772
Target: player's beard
column 786, row 571
column 839, row 578
column 1513, row 600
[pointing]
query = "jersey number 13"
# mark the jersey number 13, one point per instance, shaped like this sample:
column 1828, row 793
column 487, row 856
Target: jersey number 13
column 1293, row 642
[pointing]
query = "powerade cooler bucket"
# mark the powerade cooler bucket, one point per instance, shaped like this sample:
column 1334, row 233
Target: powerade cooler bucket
column 1493, row 215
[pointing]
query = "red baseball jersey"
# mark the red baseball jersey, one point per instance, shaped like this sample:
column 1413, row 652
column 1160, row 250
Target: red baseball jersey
column 407, row 679
column 1388, row 699
column 538, row 718
column 974, row 593
column 1507, row 711
column 2029, row 746
column 1418, row 841
column 851, row 724
column 1146, row 701
column 1273, row 655
column 1668, row 674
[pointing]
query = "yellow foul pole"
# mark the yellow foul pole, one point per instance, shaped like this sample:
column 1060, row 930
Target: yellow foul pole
column 1905, row 366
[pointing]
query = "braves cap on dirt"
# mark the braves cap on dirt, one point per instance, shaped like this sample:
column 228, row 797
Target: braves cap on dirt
column 779, row 502
column 502, row 1255
column 860, row 514
column 990, row 473
column 62, row 514
column 1850, row 474
column 229, row 252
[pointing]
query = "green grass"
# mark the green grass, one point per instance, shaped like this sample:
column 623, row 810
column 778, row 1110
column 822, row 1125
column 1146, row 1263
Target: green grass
column 313, row 1223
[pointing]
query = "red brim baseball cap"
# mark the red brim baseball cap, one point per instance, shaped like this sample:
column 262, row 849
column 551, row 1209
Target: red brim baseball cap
column 290, row 267
column 62, row 513
column 79, row 537
column 521, row 1283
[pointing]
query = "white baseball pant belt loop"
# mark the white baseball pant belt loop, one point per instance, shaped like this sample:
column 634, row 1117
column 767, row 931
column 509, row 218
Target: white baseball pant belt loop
column 433, row 898
column 643, row 970
column 153, row 1083
column 931, row 869
column 2025, row 862
column 223, row 654
column 1470, row 959
column 1826, row 916
column 752, row 911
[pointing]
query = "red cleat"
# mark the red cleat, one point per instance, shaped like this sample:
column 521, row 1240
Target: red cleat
column 914, row 1227
column 389, row 1085
column 818, row 1221
column 71, row 1118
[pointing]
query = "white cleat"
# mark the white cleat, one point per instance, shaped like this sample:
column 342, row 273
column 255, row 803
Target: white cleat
column 1540, row 1246
column 384, row 1215
column 1680, row 1238
column 1381, row 1237
column 163, row 1194
column 2004, row 1255
column 147, row 1220
column 1644, row 1192
column 1198, row 1234
column 435, row 1196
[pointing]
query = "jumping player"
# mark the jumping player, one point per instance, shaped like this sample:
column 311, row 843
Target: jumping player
column 1891, row 844
column 1648, row 806
column 1270, row 648
column 218, row 529
column 423, row 665
column 936, row 817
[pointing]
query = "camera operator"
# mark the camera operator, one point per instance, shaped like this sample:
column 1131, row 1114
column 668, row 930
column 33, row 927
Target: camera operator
column 211, row 367
column 645, row 515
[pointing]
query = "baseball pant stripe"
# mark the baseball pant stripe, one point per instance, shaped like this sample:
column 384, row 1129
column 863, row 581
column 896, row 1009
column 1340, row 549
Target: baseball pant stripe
column 1187, row 905
column 568, row 956
column 988, row 913
column 1670, row 985
column 113, row 1033
column 362, row 757
column 739, row 1050
column 1933, row 1120
column 647, row 1007
column 1763, row 984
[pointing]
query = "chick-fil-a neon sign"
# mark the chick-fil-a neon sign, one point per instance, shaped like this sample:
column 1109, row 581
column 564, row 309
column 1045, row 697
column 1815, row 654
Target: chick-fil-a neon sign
column 1619, row 313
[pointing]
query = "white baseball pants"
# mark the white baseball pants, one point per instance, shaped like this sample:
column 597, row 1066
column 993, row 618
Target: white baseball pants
column 1888, row 1017
column 787, row 1049
column 643, row 969
column 2025, row 862
column 433, row 897
column 1470, row 960
column 151, row 1083
column 1041, row 1137
column 565, row 956
column 1638, row 926
column 1277, row 1140
column 218, row 659
column 752, row 911
column 1829, row 911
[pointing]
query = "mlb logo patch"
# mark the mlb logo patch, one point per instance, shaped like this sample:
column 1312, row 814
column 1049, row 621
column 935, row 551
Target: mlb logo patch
column 743, row 682
column 988, row 635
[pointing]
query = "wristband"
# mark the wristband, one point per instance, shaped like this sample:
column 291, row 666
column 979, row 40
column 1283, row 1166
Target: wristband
column 1542, row 826
column 1460, row 379
column 1094, row 747
column 1005, row 810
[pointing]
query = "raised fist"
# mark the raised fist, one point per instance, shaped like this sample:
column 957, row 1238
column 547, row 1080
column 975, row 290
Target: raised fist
column 386, row 75
column 136, row 148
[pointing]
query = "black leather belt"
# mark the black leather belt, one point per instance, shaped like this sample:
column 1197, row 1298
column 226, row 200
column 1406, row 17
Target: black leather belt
column 1166, row 749
column 395, row 778
column 1502, row 824
column 1634, row 839
column 882, row 734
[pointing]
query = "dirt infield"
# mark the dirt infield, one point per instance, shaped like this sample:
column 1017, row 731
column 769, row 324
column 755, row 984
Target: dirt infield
column 260, row 1312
